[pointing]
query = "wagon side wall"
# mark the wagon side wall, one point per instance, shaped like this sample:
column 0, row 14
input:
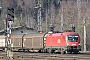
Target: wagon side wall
column 34, row 41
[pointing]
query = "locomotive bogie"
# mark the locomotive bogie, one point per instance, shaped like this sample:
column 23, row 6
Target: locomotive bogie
column 55, row 49
column 73, row 49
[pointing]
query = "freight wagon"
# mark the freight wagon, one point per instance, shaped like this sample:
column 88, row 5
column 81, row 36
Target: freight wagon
column 27, row 42
column 2, row 42
column 16, row 41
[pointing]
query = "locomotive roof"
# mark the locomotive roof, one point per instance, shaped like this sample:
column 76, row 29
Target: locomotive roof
column 56, row 34
column 72, row 33
column 64, row 33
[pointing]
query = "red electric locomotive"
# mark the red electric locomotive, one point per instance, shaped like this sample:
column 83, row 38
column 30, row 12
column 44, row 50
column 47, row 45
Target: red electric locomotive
column 66, row 42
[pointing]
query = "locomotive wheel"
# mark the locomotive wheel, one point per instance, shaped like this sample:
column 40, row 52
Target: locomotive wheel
column 64, row 52
column 51, row 51
column 46, row 51
column 39, row 51
column 76, row 52
column 70, row 52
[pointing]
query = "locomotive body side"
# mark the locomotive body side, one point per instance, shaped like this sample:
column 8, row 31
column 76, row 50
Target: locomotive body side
column 55, row 41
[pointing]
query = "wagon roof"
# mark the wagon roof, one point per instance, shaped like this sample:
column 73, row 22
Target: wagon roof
column 34, row 35
column 2, row 36
column 17, row 36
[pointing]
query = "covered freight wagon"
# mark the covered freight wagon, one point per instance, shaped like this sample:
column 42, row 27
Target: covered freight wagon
column 16, row 41
column 27, row 42
column 33, row 41
column 2, row 42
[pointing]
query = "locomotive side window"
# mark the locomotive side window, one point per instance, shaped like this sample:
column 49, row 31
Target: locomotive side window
column 73, row 38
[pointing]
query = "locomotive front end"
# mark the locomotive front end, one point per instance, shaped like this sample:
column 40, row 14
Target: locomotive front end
column 73, row 43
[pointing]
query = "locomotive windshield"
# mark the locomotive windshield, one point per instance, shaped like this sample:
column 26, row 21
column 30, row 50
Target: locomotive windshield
column 73, row 38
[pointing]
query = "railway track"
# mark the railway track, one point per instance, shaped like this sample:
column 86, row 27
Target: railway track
column 45, row 56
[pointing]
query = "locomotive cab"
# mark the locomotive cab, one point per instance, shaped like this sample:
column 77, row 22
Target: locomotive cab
column 73, row 42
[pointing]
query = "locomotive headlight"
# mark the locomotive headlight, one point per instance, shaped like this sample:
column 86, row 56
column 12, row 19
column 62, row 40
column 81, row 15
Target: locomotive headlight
column 79, row 43
column 67, row 44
